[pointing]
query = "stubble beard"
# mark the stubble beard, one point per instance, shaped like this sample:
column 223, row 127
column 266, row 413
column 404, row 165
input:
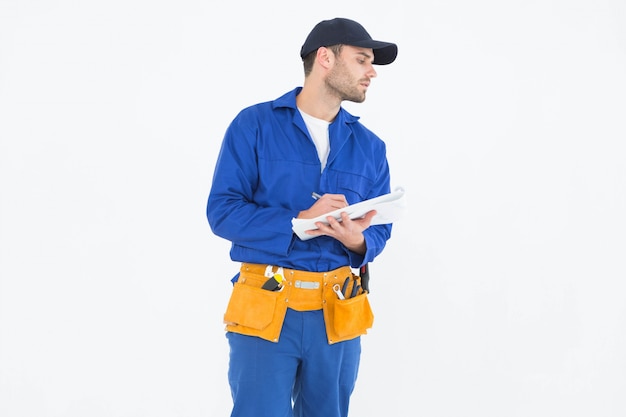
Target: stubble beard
column 342, row 85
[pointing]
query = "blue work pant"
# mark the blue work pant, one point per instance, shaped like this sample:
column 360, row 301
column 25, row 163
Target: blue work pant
column 300, row 376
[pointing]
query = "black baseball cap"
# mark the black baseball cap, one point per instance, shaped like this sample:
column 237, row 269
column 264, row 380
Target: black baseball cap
column 348, row 32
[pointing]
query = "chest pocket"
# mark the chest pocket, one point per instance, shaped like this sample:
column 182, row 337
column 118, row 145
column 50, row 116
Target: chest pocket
column 355, row 187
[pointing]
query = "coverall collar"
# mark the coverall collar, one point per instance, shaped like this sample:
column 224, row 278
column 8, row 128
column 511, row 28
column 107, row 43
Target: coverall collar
column 340, row 129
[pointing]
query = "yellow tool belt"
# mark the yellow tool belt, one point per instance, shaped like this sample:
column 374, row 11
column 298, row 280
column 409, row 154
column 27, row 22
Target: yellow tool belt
column 255, row 311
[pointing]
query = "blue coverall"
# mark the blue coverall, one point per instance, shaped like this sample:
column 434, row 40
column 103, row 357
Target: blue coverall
column 266, row 170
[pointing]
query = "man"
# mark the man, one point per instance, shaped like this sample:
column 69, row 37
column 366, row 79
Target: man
column 297, row 311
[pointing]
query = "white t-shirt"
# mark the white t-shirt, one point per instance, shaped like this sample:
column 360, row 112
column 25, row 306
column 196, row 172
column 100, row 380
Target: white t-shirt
column 318, row 129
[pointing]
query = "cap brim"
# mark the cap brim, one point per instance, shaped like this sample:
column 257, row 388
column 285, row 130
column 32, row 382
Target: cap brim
column 384, row 52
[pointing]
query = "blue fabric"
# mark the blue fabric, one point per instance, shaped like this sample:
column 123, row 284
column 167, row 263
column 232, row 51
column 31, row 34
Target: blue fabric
column 262, row 373
column 267, row 169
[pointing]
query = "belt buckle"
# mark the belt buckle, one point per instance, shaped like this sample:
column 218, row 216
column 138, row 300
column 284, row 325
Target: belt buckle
column 307, row 285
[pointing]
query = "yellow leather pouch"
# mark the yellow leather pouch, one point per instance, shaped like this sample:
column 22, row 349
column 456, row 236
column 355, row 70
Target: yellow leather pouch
column 348, row 318
column 254, row 311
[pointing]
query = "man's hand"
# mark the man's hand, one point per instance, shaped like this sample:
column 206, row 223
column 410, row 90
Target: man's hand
column 325, row 204
column 347, row 231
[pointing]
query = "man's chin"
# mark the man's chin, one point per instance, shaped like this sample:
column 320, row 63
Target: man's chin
column 354, row 99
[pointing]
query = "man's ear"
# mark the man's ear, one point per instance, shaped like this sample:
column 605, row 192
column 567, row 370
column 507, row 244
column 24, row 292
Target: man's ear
column 325, row 57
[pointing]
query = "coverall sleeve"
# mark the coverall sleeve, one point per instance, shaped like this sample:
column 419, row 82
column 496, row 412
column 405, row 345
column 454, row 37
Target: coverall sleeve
column 376, row 236
column 232, row 211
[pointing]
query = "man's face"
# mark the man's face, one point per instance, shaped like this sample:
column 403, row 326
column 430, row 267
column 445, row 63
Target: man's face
column 351, row 73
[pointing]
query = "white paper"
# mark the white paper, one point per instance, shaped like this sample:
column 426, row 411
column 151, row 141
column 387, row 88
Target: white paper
column 389, row 208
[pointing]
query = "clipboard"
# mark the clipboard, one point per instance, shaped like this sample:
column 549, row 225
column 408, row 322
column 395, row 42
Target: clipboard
column 389, row 208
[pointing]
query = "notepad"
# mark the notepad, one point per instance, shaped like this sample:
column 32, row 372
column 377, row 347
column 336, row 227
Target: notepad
column 389, row 208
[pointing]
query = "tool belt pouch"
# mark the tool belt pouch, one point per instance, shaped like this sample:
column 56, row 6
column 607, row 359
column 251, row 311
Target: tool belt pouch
column 347, row 319
column 254, row 311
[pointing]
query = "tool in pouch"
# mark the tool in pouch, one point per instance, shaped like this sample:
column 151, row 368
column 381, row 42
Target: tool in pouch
column 364, row 272
column 342, row 292
column 275, row 279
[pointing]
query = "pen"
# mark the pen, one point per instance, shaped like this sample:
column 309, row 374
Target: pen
column 316, row 195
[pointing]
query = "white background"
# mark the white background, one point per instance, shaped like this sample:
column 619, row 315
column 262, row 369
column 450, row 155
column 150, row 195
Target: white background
column 502, row 293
